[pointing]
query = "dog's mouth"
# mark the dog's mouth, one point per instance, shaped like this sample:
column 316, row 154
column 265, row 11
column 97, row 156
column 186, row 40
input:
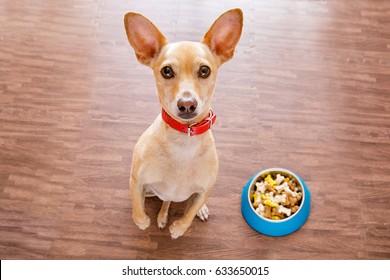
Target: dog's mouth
column 187, row 116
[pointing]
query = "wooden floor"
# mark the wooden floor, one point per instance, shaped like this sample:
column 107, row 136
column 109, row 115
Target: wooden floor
column 308, row 90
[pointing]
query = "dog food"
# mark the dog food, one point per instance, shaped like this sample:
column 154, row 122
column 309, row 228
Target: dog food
column 276, row 197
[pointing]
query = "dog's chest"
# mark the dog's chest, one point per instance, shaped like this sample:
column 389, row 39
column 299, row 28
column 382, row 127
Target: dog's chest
column 181, row 171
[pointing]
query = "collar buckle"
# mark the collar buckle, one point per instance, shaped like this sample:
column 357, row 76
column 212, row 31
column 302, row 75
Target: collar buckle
column 189, row 129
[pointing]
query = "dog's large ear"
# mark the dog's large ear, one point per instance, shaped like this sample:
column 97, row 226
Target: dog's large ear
column 145, row 38
column 224, row 34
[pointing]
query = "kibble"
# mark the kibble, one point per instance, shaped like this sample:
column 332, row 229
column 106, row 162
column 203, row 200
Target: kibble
column 276, row 197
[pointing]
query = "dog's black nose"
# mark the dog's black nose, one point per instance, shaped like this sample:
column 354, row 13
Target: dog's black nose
column 187, row 105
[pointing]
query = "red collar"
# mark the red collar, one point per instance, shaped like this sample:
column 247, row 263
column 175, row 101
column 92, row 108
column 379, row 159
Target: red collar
column 192, row 129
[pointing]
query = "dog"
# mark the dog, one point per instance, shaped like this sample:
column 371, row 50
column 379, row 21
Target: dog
column 175, row 158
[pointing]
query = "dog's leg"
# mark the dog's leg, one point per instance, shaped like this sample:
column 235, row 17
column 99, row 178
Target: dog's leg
column 203, row 213
column 195, row 203
column 162, row 218
column 137, row 196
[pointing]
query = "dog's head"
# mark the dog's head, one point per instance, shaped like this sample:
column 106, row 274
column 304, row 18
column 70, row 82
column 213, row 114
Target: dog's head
column 185, row 72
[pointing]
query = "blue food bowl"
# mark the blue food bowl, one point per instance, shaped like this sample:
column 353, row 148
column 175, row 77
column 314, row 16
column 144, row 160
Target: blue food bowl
column 274, row 227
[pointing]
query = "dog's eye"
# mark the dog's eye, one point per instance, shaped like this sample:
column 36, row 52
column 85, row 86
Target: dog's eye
column 167, row 72
column 204, row 72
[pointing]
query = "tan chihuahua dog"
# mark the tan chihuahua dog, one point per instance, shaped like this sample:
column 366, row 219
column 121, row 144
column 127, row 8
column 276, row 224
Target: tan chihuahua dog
column 175, row 158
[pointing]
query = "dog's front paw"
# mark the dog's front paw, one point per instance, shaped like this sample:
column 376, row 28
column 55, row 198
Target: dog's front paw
column 143, row 223
column 177, row 229
column 203, row 213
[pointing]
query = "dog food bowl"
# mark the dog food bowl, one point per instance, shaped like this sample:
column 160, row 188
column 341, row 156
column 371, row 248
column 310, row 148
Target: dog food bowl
column 275, row 227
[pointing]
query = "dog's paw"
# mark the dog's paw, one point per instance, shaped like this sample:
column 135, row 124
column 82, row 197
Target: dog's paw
column 143, row 223
column 203, row 213
column 162, row 220
column 177, row 229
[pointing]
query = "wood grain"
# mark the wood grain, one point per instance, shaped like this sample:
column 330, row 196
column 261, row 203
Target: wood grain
column 308, row 90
